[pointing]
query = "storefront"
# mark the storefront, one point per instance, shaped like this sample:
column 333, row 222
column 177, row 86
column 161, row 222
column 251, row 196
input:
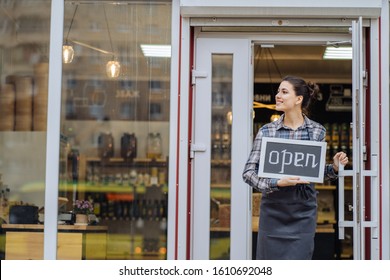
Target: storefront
column 152, row 114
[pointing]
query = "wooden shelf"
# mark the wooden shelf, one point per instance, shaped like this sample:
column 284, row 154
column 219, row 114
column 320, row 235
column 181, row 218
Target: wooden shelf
column 114, row 160
column 222, row 162
column 325, row 187
column 60, row 227
column 220, row 186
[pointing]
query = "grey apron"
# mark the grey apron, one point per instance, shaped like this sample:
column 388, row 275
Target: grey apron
column 288, row 220
column 287, row 224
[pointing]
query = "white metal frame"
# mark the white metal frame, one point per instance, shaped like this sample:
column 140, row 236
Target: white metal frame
column 240, row 226
column 383, row 86
column 280, row 8
column 359, row 223
column 277, row 38
column 178, row 134
column 53, row 130
column 176, row 237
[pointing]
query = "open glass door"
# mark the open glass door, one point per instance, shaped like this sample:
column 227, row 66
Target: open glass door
column 347, row 210
column 365, row 186
column 222, row 110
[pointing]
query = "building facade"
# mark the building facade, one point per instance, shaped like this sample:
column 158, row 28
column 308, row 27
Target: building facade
column 148, row 109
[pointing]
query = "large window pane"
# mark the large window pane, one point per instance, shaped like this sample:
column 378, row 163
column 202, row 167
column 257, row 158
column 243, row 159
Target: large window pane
column 116, row 129
column 24, row 46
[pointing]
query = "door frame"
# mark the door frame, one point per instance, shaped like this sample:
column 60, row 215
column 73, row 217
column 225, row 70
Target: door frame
column 294, row 39
column 213, row 12
column 240, row 223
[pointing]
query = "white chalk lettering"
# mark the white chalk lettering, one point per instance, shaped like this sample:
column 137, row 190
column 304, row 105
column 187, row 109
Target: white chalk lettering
column 277, row 157
column 284, row 162
column 314, row 164
column 298, row 158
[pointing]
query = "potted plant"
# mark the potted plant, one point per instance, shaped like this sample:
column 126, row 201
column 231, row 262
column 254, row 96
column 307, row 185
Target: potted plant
column 82, row 208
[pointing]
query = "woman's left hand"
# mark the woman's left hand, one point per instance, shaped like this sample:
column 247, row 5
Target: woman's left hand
column 339, row 158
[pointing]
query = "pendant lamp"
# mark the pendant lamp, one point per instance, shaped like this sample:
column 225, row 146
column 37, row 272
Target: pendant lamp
column 113, row 66
column 67, row 49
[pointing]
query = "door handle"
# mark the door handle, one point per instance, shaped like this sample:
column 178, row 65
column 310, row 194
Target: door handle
column 197, row 148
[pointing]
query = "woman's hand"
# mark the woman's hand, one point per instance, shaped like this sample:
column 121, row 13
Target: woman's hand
column 339, row 158
column 291, row 181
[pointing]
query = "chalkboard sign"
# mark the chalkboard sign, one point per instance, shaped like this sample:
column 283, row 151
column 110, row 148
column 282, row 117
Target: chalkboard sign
column 284, row 157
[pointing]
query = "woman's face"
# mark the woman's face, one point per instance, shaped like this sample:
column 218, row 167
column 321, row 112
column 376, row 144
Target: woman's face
column 286, row 99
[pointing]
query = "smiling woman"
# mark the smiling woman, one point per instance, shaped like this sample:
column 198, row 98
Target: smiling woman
column 288, row 209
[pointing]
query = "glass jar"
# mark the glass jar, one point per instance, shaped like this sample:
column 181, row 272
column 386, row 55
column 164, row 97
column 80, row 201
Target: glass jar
column 154, row 146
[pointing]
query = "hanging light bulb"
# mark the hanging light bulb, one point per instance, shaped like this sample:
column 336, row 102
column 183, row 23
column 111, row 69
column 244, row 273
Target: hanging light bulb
column 67, row 50
column 113, row 68
column 67, row 53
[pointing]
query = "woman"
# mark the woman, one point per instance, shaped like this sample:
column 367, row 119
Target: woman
column 288, row 210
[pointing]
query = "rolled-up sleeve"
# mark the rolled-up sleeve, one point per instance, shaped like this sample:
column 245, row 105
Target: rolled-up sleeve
column 250, row 173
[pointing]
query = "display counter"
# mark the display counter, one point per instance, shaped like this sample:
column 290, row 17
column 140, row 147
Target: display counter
column 75, row 242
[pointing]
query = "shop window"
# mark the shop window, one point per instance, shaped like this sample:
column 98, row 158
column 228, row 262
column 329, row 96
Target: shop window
column 24, row 47
column 117, row 127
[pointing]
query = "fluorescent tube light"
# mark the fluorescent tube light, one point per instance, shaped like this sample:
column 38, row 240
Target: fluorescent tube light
column 338, row 53
column 156, row 50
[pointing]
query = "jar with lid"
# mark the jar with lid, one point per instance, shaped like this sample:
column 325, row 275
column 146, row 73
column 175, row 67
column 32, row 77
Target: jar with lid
column 106, row 145
column 154, row 146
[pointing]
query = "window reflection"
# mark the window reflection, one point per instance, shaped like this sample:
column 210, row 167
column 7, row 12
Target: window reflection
column 114, row 131
column 117, row 129
column 221, row 129
column 24, row 45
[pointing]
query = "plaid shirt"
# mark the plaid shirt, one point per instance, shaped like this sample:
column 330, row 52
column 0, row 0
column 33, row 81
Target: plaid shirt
column 309, row 130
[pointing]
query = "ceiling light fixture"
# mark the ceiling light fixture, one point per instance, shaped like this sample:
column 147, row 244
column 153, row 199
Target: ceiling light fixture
column 113, row 66
column 67, row 49
column 156, row 50
column 338, row 53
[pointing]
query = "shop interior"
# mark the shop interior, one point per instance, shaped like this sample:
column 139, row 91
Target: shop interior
column 333, row 109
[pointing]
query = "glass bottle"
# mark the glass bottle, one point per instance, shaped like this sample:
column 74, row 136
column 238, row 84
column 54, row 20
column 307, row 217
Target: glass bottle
column 149, row 145
column 344, row 137
column 158, row 145
column 335, row 137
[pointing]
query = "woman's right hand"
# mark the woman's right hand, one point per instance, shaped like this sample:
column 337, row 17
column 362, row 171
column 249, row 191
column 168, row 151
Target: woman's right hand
column 291, row 181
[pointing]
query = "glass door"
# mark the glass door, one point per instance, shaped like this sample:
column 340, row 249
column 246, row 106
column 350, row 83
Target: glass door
column 222, row 102
column 364, row 203
column 347, row 209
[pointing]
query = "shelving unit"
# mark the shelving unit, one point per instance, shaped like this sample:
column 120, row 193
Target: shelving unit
column 130, row 198
column 134, row 211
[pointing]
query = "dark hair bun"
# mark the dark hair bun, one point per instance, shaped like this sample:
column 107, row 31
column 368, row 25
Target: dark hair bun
column 314, row 89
